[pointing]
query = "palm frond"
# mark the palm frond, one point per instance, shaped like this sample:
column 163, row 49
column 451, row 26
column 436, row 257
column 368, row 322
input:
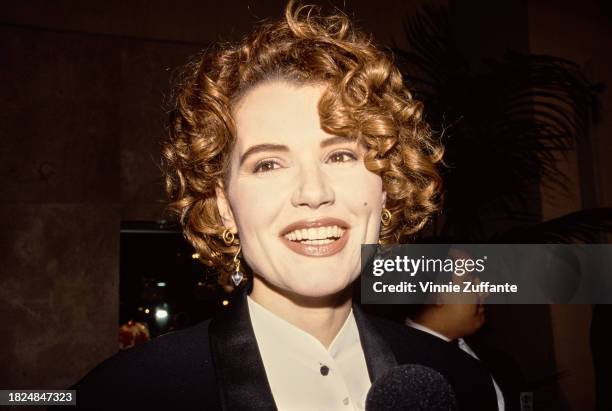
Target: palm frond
column 504, row 128
column 585, row 226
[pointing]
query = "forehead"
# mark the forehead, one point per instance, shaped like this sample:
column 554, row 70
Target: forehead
column 279, row 112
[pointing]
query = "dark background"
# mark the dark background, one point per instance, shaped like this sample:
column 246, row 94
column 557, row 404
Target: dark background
column 82, row 87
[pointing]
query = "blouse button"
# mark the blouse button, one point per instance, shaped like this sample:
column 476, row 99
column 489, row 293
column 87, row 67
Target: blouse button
column 324, row 370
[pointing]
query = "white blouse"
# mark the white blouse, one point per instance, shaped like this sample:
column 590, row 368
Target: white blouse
column 302, row 373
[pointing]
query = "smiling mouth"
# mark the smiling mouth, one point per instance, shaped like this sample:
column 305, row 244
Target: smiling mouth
column 316, row 238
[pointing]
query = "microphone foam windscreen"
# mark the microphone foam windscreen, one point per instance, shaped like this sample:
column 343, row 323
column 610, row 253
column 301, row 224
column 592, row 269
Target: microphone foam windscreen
column 411, row 387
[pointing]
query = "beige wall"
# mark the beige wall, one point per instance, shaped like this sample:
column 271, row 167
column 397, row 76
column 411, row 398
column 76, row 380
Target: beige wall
column 80, row 131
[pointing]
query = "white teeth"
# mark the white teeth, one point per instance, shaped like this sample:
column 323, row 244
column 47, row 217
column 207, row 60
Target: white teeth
column 322, row 232
column 311, row 235
column 318, row 242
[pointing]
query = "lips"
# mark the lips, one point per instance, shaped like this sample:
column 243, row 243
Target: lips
column 320, row 248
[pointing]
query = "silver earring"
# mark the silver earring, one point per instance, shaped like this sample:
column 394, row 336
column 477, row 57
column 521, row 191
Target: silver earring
column 238, row 275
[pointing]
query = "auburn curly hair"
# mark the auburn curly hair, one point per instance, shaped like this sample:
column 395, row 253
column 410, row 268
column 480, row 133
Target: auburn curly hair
column 365, row 99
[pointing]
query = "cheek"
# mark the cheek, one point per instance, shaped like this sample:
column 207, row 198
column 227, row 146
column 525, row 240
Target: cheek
column 374, row 191
column 465, row 314
column 255, row 203
column 364, row 192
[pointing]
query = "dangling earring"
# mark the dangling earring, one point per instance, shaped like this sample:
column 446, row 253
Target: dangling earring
column 228, row 239
column 238, row 275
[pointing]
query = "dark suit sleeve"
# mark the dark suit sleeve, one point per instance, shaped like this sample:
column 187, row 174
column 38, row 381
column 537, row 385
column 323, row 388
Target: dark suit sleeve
column 173, row 371
column 506, row 371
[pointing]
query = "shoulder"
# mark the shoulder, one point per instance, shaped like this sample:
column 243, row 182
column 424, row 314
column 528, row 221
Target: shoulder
column 160, row 374
column 177, row 352
column 406, row 341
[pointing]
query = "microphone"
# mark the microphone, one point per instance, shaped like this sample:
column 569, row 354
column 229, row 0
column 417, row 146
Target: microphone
column 411, row 387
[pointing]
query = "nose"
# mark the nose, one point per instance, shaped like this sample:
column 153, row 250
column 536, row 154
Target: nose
column 313, row 189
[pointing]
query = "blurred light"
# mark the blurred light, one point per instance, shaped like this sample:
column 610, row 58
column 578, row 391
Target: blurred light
column 147, row 311
column 139, row 308
column 195, row 256
column 161, row 314
column 225, row 302
column 200, row 283
column 161, row 284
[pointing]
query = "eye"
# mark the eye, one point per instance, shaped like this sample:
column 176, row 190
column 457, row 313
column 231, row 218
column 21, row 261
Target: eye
column 266, row 166
column 341, row 157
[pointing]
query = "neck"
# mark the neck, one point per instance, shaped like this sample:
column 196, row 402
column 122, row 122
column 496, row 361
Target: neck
column 438, row 324
column 321, row 317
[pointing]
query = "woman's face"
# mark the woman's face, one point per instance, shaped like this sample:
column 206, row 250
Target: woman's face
column 300, row 199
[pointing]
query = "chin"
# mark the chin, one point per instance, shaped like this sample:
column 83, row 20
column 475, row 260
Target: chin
column 320, row 289
column 321, row 276
column 309, row 278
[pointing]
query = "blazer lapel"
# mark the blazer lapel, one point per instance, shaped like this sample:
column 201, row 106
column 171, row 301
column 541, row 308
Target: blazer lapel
column 378, row 355
column 241, row 376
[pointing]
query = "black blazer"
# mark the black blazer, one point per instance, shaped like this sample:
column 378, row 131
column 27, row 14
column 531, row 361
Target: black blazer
column 504, row 369
column 216, row 365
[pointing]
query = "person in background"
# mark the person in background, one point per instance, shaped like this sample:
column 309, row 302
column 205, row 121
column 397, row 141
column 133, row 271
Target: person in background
column 453, row 319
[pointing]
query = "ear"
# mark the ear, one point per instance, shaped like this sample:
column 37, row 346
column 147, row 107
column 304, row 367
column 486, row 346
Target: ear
column 225, row 210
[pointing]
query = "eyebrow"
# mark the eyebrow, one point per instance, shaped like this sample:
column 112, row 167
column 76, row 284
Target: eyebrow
column 282, row 148
column 262, row 147
column 336, row 140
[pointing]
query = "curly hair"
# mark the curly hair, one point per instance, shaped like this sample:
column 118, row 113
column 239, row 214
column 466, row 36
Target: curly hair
column 365, row 98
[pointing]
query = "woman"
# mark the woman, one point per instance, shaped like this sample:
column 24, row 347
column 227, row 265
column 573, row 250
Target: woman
column 288, row 151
